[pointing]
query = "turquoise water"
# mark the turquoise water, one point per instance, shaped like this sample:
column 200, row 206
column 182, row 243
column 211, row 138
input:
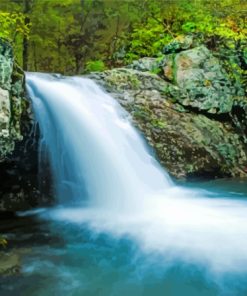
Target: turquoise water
column 66, row 258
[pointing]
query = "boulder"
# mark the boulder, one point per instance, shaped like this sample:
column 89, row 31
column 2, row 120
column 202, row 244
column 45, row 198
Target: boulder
column 201, row 79
column 188, row 144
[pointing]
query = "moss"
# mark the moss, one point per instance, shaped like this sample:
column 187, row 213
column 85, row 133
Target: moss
column 157, row 123
column 123, row 79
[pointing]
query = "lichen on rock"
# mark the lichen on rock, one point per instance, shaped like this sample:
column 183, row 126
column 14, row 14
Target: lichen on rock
column 201, row 79
column 11, row 97
column 179, row 114
column 18, row 146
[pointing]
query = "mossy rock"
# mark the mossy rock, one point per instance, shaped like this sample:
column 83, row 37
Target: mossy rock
column 11, row 261
column 203, row 84
column 186, row 143
column 12, row 91
column 182, row 42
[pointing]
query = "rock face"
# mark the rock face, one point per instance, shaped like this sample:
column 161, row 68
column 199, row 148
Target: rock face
column 11, row 97
column 185, row 113
column 202, row 81
column 18, row 148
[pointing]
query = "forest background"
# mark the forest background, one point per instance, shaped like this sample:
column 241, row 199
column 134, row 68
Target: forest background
column 79, row 36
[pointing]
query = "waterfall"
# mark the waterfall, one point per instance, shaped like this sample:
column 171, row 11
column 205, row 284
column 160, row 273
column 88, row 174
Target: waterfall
column 96, row 155
column 101, row 164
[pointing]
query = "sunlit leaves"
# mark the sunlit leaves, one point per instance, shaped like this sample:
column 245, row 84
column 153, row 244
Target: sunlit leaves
column 66, row 36
column 12, row 24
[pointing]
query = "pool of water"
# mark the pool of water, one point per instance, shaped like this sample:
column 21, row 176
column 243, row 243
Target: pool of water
column 59, row 257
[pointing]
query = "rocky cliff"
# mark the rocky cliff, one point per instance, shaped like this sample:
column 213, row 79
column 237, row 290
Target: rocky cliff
column 18, row 147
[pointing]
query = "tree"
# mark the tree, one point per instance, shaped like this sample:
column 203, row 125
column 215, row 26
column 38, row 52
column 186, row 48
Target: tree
column 67, row 36
column 27, row 10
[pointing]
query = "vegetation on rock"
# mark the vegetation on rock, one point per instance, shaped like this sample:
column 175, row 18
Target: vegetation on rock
column 11, row 96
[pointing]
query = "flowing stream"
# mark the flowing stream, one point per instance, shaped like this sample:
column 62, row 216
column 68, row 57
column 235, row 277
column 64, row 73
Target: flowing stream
column 123, row 226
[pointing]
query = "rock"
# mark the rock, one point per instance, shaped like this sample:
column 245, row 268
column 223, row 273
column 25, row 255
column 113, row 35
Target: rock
column 18, row 140
column 11, row 261
column 6, row 64
column 197, row 79
column 11, row 97
column 202, row 82
column 145, row 64
column 178, row 44
column 186, row 143
column 4, row 114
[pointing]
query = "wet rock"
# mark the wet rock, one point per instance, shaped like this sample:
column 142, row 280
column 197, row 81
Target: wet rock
column 11, row 262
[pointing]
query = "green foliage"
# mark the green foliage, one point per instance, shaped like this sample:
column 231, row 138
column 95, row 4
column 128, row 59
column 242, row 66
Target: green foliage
column 157, row 123
column 95, row 66
column 12, row 24
column 156, row 70
column 220, row 25
column 147, row 41
column 72, row 35
column 15, row 29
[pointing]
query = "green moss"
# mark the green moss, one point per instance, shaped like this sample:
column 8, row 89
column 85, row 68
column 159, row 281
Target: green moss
column 190, row 168
column 158, row 123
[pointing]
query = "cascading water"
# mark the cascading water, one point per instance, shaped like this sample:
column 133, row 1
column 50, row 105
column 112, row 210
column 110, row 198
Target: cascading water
column 101, row 164
column 95, row 153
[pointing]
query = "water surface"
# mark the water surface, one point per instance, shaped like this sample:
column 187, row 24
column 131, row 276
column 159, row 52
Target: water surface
column 71, row 257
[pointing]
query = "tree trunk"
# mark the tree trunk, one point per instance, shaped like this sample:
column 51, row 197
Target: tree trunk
column 26, row 11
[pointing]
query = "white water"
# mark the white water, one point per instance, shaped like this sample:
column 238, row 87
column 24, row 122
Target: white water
column 101, row 164
column 96, row 154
